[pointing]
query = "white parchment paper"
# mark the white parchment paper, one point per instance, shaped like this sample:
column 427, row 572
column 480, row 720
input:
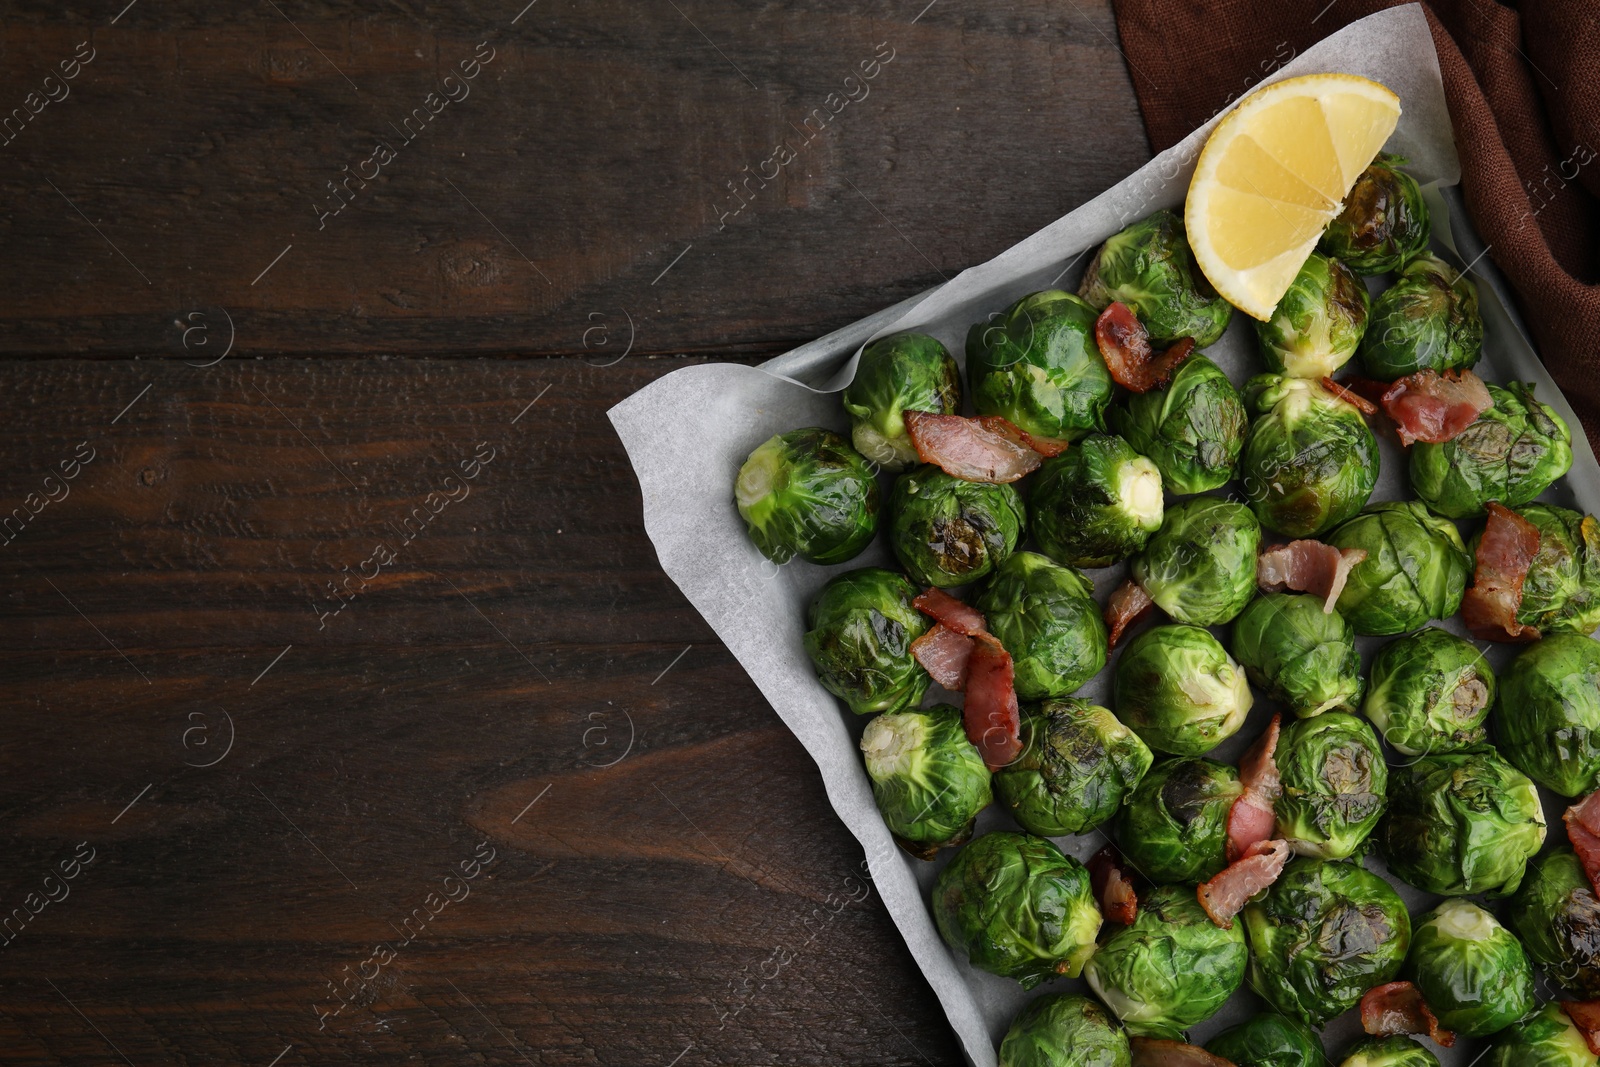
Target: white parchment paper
column 688, row 432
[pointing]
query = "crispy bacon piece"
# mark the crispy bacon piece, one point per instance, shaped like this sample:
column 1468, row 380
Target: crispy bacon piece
column 1506, row 550
column 955, row 614
column 1307, row 567
column 944, row 654
column 1370, row 388
column 1398, row 1008
column 1128, row 604
column 1251, row 818
column 1349, row 396
column 1226, row 894
column 1585, row 1015
column 1125, row 346
column 993, row 720
column 1159, row 1052
column 1045, row 446
column 1433, row 407
column 1112, row 888
column 1583, row 831
column 965, row 448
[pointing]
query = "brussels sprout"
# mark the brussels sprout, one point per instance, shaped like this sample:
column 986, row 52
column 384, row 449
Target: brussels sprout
column 906, row 372
column 1174, row 827
column 1310, row 460
column 1149, row 267
column 1269, row 1040
column 1472, row 973
column 1062, row 1030
column 1039, row 366
column 1015, row 905
column 1427, row 320
column 1431, row 691
column 1334, row 785
column 1562, row 591
column 1558, row 918
column 1548, row 1039
column 1325, row 933
column 861, row 626
column 1200, row 567
column 1548, row 724
column 1078, row 764
column 1396, row 1051
column 1176, row 688
column 1383, row 223
column 1416, row 568
column 806, row 493
column 947, row 531
column 929, row 781
column 1512, row 453
column 1461, row 822
column 1318, row 323
column 1301, row 655
column 1045, row 616
column 1097, row 503
column 1193, row 429
column 1169, row 970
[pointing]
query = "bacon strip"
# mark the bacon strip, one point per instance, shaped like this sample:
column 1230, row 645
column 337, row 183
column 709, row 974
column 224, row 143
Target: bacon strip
column 955, row 614
column 1398, row 1008
column 1226, row 894
column 1307, row 567
column 1045, row 446
column 964, row 448
column 1583, row 831
column 1112, row 888
column 1433, row 407
column 944, row 654
column 1505, row 552
column 1354, row 399
column 1125, row 346
column 993, row 720
column 1585, row 1015
column 1128, row 604
column 1159, row 1052
column 1251, row 819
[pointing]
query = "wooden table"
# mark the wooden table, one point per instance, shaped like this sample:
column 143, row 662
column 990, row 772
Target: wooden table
column 348, row 717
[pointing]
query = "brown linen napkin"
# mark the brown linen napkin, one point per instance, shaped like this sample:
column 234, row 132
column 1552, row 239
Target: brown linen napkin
column 1524, row 92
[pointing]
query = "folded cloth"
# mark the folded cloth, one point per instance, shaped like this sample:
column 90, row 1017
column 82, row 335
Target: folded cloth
column 1524, row 91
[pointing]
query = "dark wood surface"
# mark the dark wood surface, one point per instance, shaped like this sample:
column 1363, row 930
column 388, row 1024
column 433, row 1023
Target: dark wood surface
column 236, row 794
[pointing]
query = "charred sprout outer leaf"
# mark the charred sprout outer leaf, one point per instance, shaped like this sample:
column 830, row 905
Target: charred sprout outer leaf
column 1558, row 918
column 1177, row 688
column 1548, row 720
column 1200, row 566
column 1078, row 765
column 929, row 781
column 906, row 372
column 1472, row 973
column 1310, row 460
column 1097, row 503
column 860, row 629
column 1317, row 325
column 1562, row 590
column 1302, row 656
column 1038, row 365
column 1416, row 568
column 1512, row 453
column 1546, row 1039
column 1045, row 615
column 1428, row 319
column 1149, row 267
column 1396, row 1051
column 1174, row 827
column 1062, row 1030
column 1334, row 785
column 946, row 531
column 1431, row 692
column 1193, row 430
column 806, row 493
column 1269, row 1039
column 1383, row 223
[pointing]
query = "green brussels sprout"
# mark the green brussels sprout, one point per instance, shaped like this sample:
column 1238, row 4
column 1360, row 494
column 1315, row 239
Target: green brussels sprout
column 1431, row 692
column 1562, row 591
column 1396, row 1051
column 905, row 372
column 929, row 781
column 1017, row 906
column 1317, row 325
column 1149, row 267
column 1097, row 503
column 1062, row 1030
column 1269, row 1040
column 861, row 626
column 1039, row 366
column 1046, row 617
column 1416, row 568
column 1301, row 655
column 1310, row 460
column 1324, row 933
column 1547, row 1039
column 1174, row 827
column 1200, row 567
column 1511, row 453
column 1461, row 822
column 1427, row 320
column 1383, row 223
column 1558, row 918
column 1548, row 724
column 1171, row 968
column 1334, row 785
column 1193, row 429
column 1179, row 690
column 806, row 493
column 1471, row 971
column 947, row 531
column 1078, row 764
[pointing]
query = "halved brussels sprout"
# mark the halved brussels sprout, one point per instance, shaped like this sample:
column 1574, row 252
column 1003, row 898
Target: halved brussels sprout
column 1472, row 973
column 1097, row 503
column 946, row 531
column 1548, row 723
column 1431, row 692
column 1511, row 453
column 1461, row 822
column 1334, row 785
column 861, row 626
column 1174, row 827
column 1427, row 320
column 1078, row 764
column 806, row 493
column 1040, row 367
column 1325, row 933
column 905, row 372
column 1170, row 969
column 1547, row 1039
column 1179, row 690
column 1269, row 1039
column 1317, row 325
column 1310, row 460
column 1396, row 1051
column 1383, row 223
column 1200, row 567
column 1301, row 655
column 1017, row 906
column 1193, row 429
column 1416, row 568
column 1062, row 1030
column 1562, row 591
column 1558, row 918
column 1149, row 267
column 1046, row 617
column 929, row 781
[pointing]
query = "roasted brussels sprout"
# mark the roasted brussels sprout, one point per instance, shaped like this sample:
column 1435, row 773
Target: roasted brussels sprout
column 1318, row 324
column 1174, row 827
column 1383, row 223
column 1512, row 453
column 1097, row 503
column 1334, row 785
column 1547, row 1039
column 1325, row 933
column 806, row 493
column 1562, row 591
column 1179, row 690
column 1472, row 973
column 905, row 372
column 1193, row 429
column 1396, row 1051
column 1416, row 568
column 1039, row 366
column 1169, row 970
column 929, row 781
column 1062, row 1030
column 1548, row 723
column 861, row 626
column 1200, row 567
column 1149, row 267
column 1269, row 1039
column 1427, row 320
column 1558, row 918
column 1301, row 655
column 946, row 531
column 1310, row 460
column 1045, row 616
column 1431, row 692
column 1078, row 764
column 1015, row 905
column 1461, row 822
